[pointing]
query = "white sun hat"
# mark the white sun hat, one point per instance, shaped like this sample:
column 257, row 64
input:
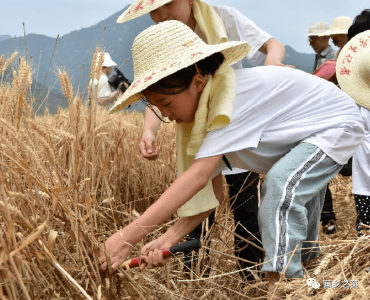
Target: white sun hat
column 340, row 26
column 164, row 49
column 108, row 62
column 353, row 68
column 139, row 8
column 317, row 28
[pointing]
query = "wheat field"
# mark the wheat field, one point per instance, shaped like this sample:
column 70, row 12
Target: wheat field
column 70, row 180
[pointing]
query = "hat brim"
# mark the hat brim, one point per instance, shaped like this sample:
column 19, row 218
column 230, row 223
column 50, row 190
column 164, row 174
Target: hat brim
column 233, row 52
column 352, row 69
column 335, row 31
column 315, row 34
column 108, row 65
column 138, row 9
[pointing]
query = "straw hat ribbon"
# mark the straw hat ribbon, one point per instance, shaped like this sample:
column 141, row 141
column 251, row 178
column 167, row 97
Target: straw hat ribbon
column 164, row 49
column 353, row 69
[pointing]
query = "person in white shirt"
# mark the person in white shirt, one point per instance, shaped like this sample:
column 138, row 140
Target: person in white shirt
column 243, row 185
column 294, row 127
column 353, row 69
column 103, row 92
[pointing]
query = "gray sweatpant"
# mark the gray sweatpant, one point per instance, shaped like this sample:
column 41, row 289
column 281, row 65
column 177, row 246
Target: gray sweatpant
column 292, row 197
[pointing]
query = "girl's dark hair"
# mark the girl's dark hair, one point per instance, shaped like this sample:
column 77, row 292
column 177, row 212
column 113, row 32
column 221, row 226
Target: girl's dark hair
column 181, row 80
column 360, row 24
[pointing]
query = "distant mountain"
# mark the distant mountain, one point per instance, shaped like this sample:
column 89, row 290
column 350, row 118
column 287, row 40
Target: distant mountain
column 301, row 61
column 73, row 52
column 4, row 37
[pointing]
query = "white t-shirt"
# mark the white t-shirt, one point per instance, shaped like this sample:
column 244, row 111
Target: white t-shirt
column 361, row 160
column 104, row 89
column 240, row 28
column 275, row 109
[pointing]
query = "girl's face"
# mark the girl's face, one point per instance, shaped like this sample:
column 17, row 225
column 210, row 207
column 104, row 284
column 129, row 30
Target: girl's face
column 180, row 107
column 179, row 10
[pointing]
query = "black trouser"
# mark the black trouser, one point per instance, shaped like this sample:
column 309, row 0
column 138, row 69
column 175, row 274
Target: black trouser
column 245, row 209
column 327, row 213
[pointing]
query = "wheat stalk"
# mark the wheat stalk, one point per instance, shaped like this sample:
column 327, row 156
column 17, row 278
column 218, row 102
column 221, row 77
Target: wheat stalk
column 66, row 85
column 8, row 62
column 77, row 166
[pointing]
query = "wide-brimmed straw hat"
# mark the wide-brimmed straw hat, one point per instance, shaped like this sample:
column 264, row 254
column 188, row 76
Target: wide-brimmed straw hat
column 340, row 26
column 317, row 28
column 353, row 68
column 139, row 8
column 164, row 49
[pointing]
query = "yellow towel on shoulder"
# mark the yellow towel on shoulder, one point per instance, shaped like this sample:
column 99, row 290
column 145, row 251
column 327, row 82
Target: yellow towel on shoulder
column 209, row 23
column 214, row 112
column 209, row 116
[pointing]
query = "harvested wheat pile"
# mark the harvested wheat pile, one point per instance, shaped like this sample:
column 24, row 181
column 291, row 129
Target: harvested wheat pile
column 69, row 181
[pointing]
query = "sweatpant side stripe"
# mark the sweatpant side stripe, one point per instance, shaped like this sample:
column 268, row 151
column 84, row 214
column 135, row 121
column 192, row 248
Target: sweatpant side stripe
column 285, row 205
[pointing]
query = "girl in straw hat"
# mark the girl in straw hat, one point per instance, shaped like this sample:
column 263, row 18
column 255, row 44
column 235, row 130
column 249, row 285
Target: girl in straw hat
column 216, row 24
column 294, row 127
column 353, row 69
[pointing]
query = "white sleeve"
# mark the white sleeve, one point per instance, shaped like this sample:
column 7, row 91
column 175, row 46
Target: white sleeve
column 240, row 28
column 104, row 88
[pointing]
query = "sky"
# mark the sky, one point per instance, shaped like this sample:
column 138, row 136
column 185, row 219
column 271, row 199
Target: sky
column 286, row 20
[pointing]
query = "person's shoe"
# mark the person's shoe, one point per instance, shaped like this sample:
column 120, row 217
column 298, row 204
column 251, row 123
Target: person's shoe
column 331, row 229
column 364, row 234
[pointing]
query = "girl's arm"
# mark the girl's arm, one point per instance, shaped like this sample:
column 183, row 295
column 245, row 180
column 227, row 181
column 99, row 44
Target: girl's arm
column 185, row 225
column 119, row 245
column 151, row 258
column 275, row 52
column 147, row 143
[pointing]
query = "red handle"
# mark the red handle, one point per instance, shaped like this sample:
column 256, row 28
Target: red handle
column 185, row 247
column 135, row 262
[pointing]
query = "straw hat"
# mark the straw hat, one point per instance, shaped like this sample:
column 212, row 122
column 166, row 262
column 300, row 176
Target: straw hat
column 340, row 26
column 318, row 28
column 139, row 8
column 108, row 62
column 164, row 49
column 353, row 68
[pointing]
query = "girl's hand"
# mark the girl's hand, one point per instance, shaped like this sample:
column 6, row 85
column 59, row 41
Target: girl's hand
column 282, row 65
column 154, row 259
column 152, row 255
column 117, row 249
column 147, row 146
